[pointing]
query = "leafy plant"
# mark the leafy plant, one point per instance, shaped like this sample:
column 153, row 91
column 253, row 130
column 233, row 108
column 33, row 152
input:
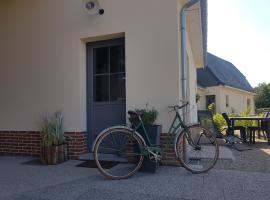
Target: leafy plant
column 52, row 130
column 244, row 123
column 148, row 116
column 219, row 121
column 212, row 107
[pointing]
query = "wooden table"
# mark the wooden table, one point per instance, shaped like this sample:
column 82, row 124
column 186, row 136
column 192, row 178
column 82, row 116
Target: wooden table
column 255, row 118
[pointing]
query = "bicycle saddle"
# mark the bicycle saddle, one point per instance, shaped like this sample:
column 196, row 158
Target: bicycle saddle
column 134, row 114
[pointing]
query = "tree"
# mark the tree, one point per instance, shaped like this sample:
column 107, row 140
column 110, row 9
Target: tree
column 262, row 99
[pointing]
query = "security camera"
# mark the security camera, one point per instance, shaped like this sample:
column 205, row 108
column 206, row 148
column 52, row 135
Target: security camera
column 93, row 7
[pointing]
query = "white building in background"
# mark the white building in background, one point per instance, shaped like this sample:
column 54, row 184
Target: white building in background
column 223, row 84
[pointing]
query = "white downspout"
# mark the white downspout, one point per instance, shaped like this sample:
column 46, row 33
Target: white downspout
column 183, row 67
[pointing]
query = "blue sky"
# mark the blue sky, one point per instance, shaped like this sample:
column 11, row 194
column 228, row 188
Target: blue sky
column 239, row 31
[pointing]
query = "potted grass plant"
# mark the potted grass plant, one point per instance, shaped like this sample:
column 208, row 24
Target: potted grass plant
column 53, row 147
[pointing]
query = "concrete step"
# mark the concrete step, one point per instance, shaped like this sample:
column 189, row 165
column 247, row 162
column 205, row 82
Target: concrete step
column 87, row 156
column 103, row 157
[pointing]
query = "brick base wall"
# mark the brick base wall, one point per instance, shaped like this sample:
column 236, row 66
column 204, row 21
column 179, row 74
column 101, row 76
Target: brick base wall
column 77, row 144
column 29, row 142
column 169, row 157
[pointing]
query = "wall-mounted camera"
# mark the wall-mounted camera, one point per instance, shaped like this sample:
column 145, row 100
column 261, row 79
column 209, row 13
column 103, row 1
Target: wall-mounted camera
column 93, row 7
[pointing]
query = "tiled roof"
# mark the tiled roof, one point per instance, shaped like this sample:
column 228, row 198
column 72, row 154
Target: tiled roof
column 221, row 72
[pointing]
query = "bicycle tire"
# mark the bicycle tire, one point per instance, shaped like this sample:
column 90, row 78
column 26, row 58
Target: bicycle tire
column 132, row 143
column 206, row 149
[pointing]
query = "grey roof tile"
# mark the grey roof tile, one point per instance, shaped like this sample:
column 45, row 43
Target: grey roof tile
column 221, row 72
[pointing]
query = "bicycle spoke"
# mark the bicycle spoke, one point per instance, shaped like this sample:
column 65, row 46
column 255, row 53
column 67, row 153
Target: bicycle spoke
column 201, row 150
column 108, row 148
column 122, row 146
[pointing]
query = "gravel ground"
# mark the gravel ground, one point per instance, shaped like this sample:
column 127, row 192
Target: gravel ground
column 34, row 182
column 170, row 183
column 257, row 159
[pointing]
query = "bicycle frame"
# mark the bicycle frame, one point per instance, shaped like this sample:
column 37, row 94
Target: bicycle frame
column 175, row 126
column 174, row 129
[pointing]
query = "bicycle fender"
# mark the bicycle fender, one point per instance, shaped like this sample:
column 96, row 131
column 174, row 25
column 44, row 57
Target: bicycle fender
column 179, row 134
column 119, row 127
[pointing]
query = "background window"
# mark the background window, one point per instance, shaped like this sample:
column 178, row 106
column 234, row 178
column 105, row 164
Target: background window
column 210, row 99
column 248, row 102
column 227, row 100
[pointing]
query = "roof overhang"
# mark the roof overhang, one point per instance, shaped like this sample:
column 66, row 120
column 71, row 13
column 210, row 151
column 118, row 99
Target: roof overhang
column 237, row 89
column 201, row 87
column 197, row 32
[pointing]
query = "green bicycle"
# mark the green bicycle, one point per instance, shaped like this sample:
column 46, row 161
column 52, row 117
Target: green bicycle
column 195, row 147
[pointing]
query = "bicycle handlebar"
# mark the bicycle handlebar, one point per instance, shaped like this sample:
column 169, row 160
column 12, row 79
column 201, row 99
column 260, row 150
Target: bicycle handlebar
column 177, row 107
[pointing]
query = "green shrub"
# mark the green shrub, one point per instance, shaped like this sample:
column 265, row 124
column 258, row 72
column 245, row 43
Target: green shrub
column 212, row 107
column 219, row 121
column 245, row 113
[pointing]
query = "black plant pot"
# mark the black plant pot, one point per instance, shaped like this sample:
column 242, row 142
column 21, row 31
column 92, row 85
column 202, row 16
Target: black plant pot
column 154, row 133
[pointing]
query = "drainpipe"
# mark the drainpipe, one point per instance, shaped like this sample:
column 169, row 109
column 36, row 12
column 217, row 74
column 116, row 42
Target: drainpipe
column 183, row 67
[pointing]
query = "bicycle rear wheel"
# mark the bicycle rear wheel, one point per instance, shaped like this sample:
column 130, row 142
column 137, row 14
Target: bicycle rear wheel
column 122, row 148
column 197, row 149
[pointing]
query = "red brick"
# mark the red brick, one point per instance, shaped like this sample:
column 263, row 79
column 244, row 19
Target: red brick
column 29, row 143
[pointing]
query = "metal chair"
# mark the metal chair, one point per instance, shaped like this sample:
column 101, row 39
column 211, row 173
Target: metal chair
column 263, row 126
column 230, row 130
column 260, row 128
column 205, row 118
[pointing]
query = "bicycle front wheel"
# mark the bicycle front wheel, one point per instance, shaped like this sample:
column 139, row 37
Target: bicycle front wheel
column 118, row 154
column 197, row 149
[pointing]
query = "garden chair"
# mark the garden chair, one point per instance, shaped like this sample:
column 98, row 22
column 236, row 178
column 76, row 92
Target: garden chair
column 205, row 118
column 261, row 128
column 230, row 131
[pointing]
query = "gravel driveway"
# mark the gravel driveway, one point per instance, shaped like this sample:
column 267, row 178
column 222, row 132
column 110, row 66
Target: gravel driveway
column 65, row 181
column 257, row 159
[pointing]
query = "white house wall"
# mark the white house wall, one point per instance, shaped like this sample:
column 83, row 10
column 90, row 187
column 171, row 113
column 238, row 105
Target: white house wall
column 192, row 88
column 201, row 103
column 43, row 61
column 237, row 99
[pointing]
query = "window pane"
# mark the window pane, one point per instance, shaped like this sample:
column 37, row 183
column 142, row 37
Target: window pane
column 101, row 88
column 117, row 87
column 210, row 99
column 227, row 100
column 101, row 59
column 117, row 58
